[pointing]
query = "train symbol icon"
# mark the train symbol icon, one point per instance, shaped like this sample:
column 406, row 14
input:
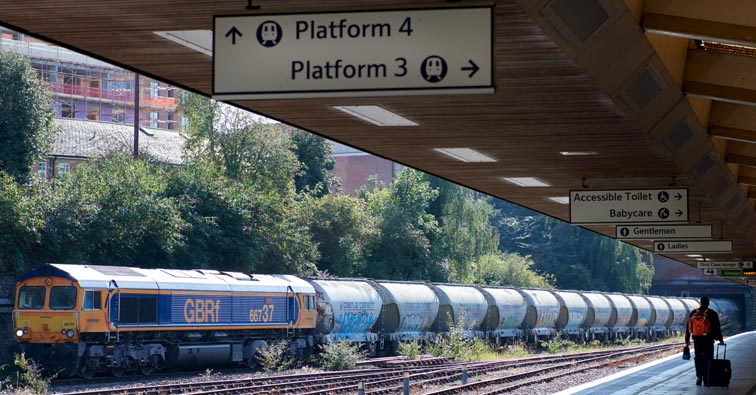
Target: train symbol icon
column 269, row 34
column 433, row 68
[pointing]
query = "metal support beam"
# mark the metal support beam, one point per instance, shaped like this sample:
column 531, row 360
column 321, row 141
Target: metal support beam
column 699, row 29
column 747, row 180
column 742, row 160
column 746, row 136
column 720, row 76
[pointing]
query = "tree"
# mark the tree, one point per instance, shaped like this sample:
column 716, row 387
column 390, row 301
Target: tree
column 21, row 224
column 466, row 232
column 404, row 249
column 26, row 121
column 343, row 231
column 112, row 211
column 314, row 155
column 504, row 269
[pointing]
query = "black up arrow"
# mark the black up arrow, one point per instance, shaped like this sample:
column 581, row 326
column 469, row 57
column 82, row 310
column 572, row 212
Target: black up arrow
column 472, row 67
column 233, row 33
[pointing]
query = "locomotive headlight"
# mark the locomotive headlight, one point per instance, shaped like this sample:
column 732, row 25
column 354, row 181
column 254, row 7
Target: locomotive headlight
column 19, row 332
column 70, row 333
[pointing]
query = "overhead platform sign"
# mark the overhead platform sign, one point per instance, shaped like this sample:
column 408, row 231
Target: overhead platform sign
column 686, row 246
column 656, row 232
column 725, row 265
column 629, row 206
column 361, row 53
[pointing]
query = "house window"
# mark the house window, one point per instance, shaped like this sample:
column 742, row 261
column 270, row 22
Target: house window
column 63, row 169
column 153, row 89
column 93, row 113
column 153, row 119
column 66, row 111
column 169, row 118
column 42, row 170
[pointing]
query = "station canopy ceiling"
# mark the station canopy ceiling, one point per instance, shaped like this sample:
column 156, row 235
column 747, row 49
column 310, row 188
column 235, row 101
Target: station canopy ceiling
column 607, row 94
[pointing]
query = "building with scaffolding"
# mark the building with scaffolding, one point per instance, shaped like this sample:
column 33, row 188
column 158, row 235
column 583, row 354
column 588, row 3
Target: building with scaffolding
column 86, row 88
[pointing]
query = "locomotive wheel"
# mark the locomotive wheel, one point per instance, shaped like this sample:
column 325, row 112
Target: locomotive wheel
column 146, row 369
column 86, row 371
column 117, row 371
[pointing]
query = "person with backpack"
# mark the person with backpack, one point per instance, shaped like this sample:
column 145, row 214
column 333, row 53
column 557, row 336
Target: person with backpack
column 703, row 325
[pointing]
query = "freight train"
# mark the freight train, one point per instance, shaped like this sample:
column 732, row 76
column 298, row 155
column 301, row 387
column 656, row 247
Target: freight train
column 88, row 319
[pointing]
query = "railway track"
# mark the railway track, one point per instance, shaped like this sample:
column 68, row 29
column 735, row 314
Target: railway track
column 387, row 376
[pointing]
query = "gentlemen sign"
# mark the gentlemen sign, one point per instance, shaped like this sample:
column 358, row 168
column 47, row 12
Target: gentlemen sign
column 685, row 246
column 629, row 206
column 370, row 53
column 656, row 232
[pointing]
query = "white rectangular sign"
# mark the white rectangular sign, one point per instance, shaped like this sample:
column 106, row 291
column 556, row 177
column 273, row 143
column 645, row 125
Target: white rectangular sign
column 710, row 272
column 359, row 53
column 629, row 206
column 686, row 246
column 657, row 232
column 726, row 265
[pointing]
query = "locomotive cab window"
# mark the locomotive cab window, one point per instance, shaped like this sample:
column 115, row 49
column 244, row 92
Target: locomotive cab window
column 31, row 297
column 92, row 300
column 310, row 303
column 62, row 298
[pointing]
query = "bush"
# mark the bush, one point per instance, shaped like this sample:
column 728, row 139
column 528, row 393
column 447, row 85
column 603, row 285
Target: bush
column 275, row 357
column 340, row 356
column 456, row 345
column 410, row 350
column 29, row 378
column 557, row 345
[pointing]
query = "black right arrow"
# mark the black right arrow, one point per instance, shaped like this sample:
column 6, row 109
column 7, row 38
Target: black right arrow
column 473, row 68
column 233, row 32
column 678, row 196
column 679, row 213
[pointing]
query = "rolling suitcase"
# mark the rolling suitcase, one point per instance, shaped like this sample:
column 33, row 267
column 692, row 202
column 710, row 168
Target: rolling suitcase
column 720, row 370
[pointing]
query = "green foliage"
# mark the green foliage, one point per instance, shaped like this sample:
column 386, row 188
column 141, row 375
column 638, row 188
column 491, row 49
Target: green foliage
column 21, row 224
column 343, row 231
column 112, row 211
column 276, row 356
column 314, row 155
column 466, row 232
column 29, row 378
column 558, row 345
column 26, row 121
column 340, row 356
column 456, row 344
column 508, row 270
column 578, row 258
column 404, row 248
column 410, row 350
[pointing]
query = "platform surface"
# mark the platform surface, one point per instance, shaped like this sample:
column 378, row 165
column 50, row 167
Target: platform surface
column 674, row 376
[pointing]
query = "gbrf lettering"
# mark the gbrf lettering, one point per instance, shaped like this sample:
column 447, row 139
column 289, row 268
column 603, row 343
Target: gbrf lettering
column 199, row 311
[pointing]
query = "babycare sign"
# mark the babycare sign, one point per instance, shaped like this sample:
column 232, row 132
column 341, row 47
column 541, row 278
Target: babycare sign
column 629, row 206
column 369, row 53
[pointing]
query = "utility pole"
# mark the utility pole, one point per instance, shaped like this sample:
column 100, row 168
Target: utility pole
column 136, row 115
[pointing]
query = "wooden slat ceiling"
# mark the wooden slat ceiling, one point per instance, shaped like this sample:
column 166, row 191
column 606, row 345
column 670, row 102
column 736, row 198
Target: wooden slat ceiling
column 555, row 91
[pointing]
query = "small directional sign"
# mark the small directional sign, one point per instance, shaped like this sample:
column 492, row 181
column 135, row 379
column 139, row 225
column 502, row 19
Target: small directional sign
column 687, row 246
column 725, row 265
column 629, row 206
column 731, row 273
column 749, row 273
column 361, row 53
column 710, row 272
column 657, row 232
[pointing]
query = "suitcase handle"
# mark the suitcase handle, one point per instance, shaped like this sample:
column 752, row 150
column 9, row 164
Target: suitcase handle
column 724, row 356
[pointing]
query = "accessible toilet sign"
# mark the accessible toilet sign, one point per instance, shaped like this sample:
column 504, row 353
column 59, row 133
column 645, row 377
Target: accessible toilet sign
column 629, row 206
column 344, row 54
